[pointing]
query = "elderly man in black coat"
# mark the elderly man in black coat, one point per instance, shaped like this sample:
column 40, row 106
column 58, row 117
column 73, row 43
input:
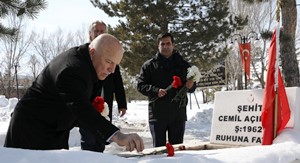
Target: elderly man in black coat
column 60, row 98
column 112, row 85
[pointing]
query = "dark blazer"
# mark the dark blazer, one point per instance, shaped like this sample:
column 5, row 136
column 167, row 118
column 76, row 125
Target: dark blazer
column 58, row 99
column 158, row 73
column 113, row 85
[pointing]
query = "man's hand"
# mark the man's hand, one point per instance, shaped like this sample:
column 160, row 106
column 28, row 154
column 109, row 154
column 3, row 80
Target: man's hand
column 162, row 92
column 130, row 141
column 122, row 112
column 189, row 84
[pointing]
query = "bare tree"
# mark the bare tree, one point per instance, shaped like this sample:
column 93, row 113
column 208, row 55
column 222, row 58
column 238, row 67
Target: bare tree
column 60, row 42
column 233, row 67
column 48, row 46
column 2, row 81
column 14, row 48
column 261, row 17
column 288, row 58
column 80, row 36
column 34, row 65
column 41, row 47
column 287, row 15
column 290, row 69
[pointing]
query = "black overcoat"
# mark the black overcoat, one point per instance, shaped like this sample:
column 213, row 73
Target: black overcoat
column 58, row 99
column 158, row 73
column 113, row 87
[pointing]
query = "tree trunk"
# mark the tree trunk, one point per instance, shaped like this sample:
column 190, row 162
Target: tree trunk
column 240, row 82
column 287, row 43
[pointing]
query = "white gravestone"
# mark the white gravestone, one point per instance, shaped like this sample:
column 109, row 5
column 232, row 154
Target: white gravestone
column 236, row 116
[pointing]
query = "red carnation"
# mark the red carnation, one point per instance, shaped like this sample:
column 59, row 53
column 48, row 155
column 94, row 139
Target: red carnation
column 176, row 82
column 170, row 150
column 98, row 104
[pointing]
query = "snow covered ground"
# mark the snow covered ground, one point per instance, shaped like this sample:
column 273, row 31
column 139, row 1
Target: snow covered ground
column 286, row 147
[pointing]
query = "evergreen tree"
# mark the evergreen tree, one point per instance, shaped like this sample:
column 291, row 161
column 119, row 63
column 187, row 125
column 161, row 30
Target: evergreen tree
column 27, row 8
column 199, row 28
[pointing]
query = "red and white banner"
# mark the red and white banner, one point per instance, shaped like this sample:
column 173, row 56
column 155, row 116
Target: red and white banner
column 245, row 50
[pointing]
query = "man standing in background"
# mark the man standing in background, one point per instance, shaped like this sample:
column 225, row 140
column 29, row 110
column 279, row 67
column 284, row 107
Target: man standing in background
column 165, row 114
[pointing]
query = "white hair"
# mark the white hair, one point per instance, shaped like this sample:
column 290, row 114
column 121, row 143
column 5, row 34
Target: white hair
column 92, row 26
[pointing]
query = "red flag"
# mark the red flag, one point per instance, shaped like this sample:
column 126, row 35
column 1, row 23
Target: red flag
column 268, row 107
column 246, row 57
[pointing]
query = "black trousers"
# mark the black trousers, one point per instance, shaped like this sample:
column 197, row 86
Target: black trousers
column 159, row 132
column 90, row 142
column 31, row 133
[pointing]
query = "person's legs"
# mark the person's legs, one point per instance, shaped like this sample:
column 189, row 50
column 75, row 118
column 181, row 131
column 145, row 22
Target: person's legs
column 32, row 133
column 90, row 142
column 158, row 132
column 176, row 132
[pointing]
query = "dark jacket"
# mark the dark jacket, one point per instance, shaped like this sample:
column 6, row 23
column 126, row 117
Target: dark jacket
column 158, row 73
column 113, row 85
column 58, row 99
